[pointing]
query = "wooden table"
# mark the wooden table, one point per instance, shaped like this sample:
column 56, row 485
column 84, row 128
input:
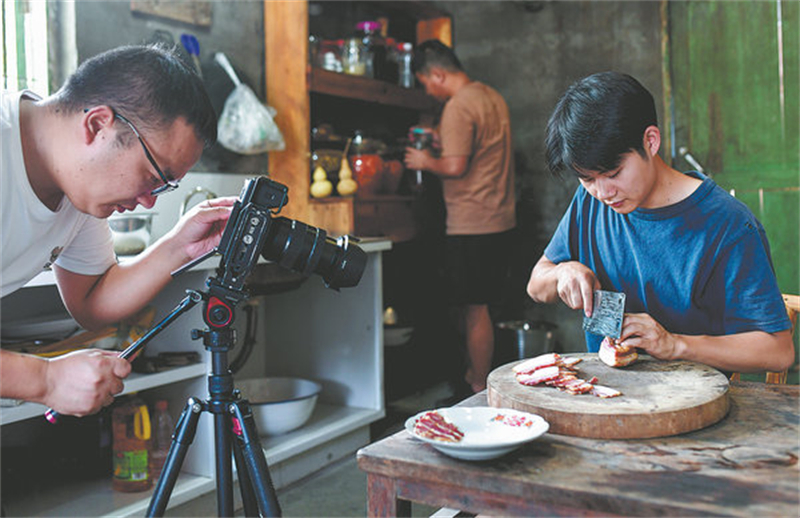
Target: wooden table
column 745, row 465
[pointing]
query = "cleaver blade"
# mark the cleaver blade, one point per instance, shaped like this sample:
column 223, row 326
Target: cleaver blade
column 606, row 319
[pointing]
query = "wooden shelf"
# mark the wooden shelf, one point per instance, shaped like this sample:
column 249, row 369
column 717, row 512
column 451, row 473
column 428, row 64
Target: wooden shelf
column 368, row 90
column 389, row 216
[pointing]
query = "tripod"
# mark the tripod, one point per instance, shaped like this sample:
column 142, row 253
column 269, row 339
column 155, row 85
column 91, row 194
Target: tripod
column 234, row 427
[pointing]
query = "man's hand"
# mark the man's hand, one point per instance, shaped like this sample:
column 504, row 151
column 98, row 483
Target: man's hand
column 575, row 284
column 200, row 229
column 417, row 159
column 570, row 281
column 83, row 382
column 642, row 331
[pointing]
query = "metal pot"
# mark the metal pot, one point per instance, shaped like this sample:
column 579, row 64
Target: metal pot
column 131, row 232
column 527, row 338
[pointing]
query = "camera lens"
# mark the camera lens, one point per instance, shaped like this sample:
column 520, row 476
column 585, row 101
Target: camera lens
column 305, row 249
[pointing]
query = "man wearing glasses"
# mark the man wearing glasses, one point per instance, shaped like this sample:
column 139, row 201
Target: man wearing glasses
column 125, row 128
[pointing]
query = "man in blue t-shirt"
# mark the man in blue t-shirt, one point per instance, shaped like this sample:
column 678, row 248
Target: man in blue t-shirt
column 693, row 261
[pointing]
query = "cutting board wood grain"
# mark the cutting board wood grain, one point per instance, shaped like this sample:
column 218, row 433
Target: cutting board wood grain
column 659, row 398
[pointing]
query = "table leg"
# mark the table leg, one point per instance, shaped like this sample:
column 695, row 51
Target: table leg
column 382, row 497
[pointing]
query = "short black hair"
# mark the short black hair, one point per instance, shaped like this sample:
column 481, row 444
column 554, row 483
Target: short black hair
column 149, row 84
column 434, row 53
column 599, row 119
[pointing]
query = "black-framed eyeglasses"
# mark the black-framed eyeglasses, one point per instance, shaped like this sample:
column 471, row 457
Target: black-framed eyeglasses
column 169, row 185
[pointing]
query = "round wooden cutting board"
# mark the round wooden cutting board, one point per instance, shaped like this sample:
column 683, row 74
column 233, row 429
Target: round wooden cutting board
column 659, row 398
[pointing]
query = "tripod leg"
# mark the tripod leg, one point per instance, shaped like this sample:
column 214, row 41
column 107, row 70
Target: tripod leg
column 253, row 456
column 184, row 434
column 222, row 439
column 245, row 484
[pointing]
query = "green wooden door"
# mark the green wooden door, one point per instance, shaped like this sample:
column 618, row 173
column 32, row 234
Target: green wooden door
column 733, row 72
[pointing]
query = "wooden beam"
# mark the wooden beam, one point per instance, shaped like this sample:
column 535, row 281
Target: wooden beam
column 285, row 50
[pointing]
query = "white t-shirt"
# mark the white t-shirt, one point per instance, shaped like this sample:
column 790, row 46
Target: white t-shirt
column 34, row 237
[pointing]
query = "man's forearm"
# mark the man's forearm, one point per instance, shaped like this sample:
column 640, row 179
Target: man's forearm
column 96, row 302
column 22, row 376
column 754, row 351
column 448, row 167
column 543, row 283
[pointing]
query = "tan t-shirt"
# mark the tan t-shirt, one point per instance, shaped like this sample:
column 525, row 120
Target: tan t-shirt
column 475, row 123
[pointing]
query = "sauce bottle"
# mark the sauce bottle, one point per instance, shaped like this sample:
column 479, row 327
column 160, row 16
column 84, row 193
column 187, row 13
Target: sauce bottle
column 375, row 45
column 130, row 424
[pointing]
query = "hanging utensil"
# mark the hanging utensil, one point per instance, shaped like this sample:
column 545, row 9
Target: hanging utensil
column 192, row 46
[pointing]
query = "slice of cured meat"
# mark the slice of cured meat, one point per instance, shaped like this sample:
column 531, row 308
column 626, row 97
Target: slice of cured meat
column 433, row 425
column 605, row 392
column 553, row 370
column 613, row 354
column 539, row 376
column 539, row 362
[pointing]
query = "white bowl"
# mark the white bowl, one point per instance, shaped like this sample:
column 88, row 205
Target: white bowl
column 280, row 404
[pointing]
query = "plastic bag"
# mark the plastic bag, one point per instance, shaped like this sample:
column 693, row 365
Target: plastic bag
column 246, row 126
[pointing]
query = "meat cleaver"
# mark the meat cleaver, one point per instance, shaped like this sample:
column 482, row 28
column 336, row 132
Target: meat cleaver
column 606, row 319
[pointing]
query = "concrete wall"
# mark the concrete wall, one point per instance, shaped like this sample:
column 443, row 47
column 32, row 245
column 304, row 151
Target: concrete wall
column 531, row 52
column 237, row 29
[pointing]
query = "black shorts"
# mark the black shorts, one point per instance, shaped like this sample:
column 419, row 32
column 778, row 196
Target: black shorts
column 477, row 267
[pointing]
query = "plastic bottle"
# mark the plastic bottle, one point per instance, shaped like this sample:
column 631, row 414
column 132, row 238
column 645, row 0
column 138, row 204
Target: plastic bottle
column 130, row 424
column 162, row 438
column 405, row 74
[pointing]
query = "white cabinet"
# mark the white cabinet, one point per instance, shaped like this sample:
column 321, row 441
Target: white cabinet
column 335, row 338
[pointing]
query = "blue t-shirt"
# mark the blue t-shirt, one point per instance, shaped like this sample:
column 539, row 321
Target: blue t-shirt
column 699, row 267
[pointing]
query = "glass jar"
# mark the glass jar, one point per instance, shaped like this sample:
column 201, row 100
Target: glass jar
column 354, row 57
column 405, row 72
column 366, row 163
column 329, row 56
column 375, row 45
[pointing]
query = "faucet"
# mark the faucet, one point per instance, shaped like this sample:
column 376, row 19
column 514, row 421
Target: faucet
column 210, row 195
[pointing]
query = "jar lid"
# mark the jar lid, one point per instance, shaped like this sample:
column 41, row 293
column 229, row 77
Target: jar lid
column 362, row 145
column 368, row 26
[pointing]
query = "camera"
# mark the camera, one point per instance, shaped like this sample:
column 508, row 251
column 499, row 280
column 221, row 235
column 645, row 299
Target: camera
column 252, row 230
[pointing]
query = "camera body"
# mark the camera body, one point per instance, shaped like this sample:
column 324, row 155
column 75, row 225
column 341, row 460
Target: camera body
column 248, row 228
column 253, row 231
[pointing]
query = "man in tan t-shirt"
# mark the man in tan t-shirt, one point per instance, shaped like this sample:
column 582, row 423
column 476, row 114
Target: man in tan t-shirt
column 476, row 167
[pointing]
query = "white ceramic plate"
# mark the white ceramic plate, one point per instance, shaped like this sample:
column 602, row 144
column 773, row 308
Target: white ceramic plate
column 488, row 432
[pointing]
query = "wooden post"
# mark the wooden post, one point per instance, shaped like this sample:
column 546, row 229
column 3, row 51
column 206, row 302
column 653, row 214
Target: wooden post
column 285, row 52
